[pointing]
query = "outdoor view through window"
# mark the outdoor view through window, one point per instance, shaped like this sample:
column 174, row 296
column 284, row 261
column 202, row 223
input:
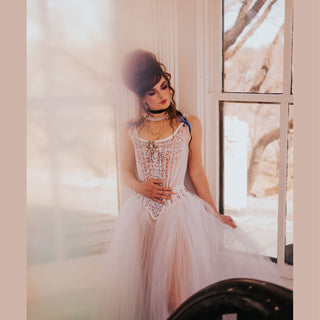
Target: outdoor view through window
column 255, row 63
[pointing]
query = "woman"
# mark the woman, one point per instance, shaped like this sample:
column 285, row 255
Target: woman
column 168, row 242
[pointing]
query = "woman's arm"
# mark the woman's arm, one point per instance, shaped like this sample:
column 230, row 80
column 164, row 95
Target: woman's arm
column 152, row 188
column 196, row 170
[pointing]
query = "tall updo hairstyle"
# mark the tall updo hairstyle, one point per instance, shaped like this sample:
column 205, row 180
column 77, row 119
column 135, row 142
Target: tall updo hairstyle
column 141, row 72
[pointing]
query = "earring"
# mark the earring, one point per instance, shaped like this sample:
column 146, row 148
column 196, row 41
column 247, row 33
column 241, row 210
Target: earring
column 146, row 106
column 171, row 99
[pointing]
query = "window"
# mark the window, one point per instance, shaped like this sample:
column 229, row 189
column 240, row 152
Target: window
column 71, row 143
column 247, row 46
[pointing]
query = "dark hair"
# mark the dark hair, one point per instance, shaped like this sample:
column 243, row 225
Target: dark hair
column 141, row 72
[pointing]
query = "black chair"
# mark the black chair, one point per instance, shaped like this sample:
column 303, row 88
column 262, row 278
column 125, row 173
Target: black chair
column 249, row 299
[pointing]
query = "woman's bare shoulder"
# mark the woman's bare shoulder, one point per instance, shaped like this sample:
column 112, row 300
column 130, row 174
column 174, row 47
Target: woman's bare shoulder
column 194, row 121
column 191, row 117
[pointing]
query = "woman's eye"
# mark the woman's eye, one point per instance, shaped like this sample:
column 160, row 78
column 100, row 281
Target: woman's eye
column 150, row 93
column 165, row 87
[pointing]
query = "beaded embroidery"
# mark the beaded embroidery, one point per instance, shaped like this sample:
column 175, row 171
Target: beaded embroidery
column 161, row 159
column 155, row 208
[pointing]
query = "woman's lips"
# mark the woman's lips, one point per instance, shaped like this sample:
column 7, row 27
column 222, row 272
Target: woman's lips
column 163, row 101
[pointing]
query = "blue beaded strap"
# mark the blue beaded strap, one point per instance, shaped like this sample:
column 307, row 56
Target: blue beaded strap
column 132, row 123
column 185, row 122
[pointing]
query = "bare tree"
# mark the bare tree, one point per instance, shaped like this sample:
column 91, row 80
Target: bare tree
column 231, row 52
column 244, row 18
column 257, row 152
column 237, row 36
column 262, row 74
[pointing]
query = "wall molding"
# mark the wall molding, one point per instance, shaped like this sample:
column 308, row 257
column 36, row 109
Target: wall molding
column 166, row 38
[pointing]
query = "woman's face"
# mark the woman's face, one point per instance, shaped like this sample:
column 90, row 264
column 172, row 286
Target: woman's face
column 159, row 96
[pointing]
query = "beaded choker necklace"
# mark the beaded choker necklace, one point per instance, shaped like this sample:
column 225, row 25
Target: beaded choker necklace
column 163, row 117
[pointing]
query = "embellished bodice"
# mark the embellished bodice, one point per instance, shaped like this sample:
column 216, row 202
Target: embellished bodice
column 164, row 159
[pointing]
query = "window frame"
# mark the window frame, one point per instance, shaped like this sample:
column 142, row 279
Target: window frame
column 210, row 96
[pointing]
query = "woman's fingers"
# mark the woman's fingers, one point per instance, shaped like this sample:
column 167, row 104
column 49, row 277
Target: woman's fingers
column 164, row 192
column 157, row 192
column 164, row 197
column 230, row 221
column 158, row 200
column 167, row 189
column 156, row 181
column 232, row 224
column 159, row 183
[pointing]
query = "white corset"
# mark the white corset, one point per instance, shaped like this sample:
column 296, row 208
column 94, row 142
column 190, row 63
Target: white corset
column 164, row 159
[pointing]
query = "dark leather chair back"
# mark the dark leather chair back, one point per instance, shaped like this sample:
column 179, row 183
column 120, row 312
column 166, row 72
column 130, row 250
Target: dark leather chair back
column 249, row 299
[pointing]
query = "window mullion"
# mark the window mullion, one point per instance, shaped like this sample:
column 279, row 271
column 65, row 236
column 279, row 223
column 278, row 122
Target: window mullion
column 284, row 269
column 287, row 51
column 284, row 120
column 251, row 97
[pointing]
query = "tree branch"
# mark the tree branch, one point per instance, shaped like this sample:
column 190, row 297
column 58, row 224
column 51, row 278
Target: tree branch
column 262, row 74
column 258, row 151
column 244, row 18
column 231, row 52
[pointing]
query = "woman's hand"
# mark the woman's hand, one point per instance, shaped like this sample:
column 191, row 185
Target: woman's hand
column 152, row 189
column 227, row 220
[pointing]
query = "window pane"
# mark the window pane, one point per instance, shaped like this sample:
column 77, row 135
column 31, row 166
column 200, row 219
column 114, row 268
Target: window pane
column 68, row 47
column 85, row 155
column 40, row 188
column 71, row 151
column 72, row 177
column 253, row 46
column 251, row 169
column 289, row 212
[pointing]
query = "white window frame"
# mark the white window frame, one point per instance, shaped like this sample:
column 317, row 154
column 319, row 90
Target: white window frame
column 210, row 95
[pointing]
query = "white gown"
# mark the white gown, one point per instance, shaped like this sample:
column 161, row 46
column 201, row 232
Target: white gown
column 162, row 254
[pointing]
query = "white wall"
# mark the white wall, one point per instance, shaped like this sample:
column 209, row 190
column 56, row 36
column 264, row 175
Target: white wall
column 187, row 56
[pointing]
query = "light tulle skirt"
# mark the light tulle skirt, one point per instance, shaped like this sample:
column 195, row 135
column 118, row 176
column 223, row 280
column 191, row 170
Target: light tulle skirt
column 152, row 266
